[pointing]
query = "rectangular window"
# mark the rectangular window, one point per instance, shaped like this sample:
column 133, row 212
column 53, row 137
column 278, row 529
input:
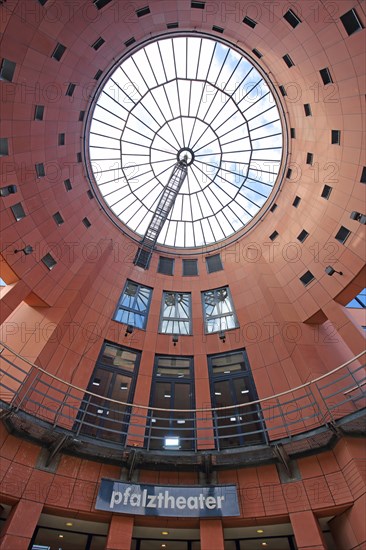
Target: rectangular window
column 90, row 194
column 214, row 263
column 39, row 112
column 302, row 236
column 172, row 25
column 86, row 222
column 190, row 268
column 326, row 192
column 257, row 53
column 114, row 378
column 273, row 235
column 292, row 133
column 133, row 306
column 143, row 11
column 61, row 139
column 289, row 173
column 4, row 147
column 309, row 158
column 172, row 388
column 283, row 90
column 40, row 170
column 176, row 313
column 98, row 74
column 307, row 278
column 351, row 22
column 58, row 218
column 291, row 18
column 142, row 258
column 166, row 266
column 49, row 261
column 273, row 207
column 250, row 22
column 336, row 137
column 342, row 234
column 198, row 5
column 58, row 52
column 217, row 29
column 287, row 59
column 296, row 201
column 130, row 41
column 231, row 384
column 18, row 211
column 326, row 76
column 98, row 43
column 99, row 4
column 67, row 184
column 81, row 116
column 363, row 175
column 7, row 70
column 78, row 157
column 307, row 109
column 218, row 310
column 70, row 89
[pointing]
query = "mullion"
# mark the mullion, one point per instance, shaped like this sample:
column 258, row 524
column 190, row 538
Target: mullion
column 119, row 104
column 249, row 92
column 152, row 70
column 257, row 101
column 263, row 125
column 133, row 84
column 107, row 123
column 261, row 113
column 119, row 87
column 111, row 113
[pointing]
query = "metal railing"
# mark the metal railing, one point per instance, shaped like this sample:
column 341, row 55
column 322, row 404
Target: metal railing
column 27, row 389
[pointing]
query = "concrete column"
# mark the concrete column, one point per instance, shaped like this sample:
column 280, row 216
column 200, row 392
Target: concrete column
column 20, row 525
column 211, row 534
column 307, row 531
column 120, row 533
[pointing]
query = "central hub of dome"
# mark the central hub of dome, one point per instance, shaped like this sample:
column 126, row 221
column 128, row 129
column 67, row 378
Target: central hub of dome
column 193, row 97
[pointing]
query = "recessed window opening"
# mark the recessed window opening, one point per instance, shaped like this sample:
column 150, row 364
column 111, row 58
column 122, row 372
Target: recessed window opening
column 18, row 211
column 40, row 170
column 309, row 158
column 58, row 52
column 273, row 207
column 49, row 261
column 296, row 201
column 307, row 109
column 218, row 310
column 217, row 29
column 166, row 266
column 58, row 218
column 98, row 74
column 68, row 185
column 342, row 234
column 307, row 278
column 175, row 316
column 198, row 5
column 257, row 53
column 302, row 236
column 273, row 235
column 250, row 22
column 214, row 263
column 291, row 18
column 98, row 43
column 99, row 4
column 7, row 70
column 134, row 304
column 287, row 59
column 4, row 147
column 326, row 76
column 292, row 133
column 61, row 139
column 190, row 268
column 174, row 25
column 130, row 41
column 336, row 137
column 351, row 22
column 70, row 89
column 86, row 222
column 38, row 112
column 143, row 11
column 326, row 192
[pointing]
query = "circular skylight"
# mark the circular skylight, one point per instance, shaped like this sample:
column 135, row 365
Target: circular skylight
column 192, row 98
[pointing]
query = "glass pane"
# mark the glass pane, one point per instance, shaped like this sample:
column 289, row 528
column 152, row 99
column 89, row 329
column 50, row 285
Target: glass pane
column 98, row 543
column 156, row 544
column 227, row 364
column 218, row 310
column 50, row 539
column 176, row 313
column 113, row 355
column 173, row 367
column 133, row 305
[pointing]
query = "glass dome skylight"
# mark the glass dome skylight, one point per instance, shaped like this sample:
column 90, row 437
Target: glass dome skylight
column 193, row 97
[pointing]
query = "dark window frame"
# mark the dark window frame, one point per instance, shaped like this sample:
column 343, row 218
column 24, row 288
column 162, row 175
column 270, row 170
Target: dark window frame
column 131, row 309
column 183, row 320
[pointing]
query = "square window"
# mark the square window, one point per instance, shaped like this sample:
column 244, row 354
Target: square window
column 326, row 76
column 7, row 70
column 292, row 133
column 302, row 236
column 214, row 263
column 86, row 222
column 49, row 261
column 130, row 41
column 342, row 234
column 336, row 137
column 250, row 22
column 217, row 29
column 142, row 258
column 309, row 158
column 18, row 211
column 133, row 306
column 175, row 317
column 218, row 310
column 307, row 109
column 257, row 53
column 98, row 43
column 58, row 218
column 58, row 52
column 70, row 89
column 326, row 192
column 39, row 112
column 40, row 170
column 307, row 278
column 99, row 4
column 273, row 235
column 351, row 22
column 296, row 202
column 4, row 147
column 287, row 59
column 190, row 268
column 166, row 266
column 143, row 11
column 61, row 139
column 291, row 18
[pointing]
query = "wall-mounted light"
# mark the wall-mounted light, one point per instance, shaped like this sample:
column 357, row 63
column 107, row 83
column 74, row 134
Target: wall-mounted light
column 129, row 330
column 222, row 336
column 175, row 339
column 171, row 443
column 329, row 270
column 8, row 190
column 27, row 250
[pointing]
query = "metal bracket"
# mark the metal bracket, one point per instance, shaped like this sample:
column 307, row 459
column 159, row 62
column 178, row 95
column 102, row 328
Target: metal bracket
column 132, row 461
column 283, row 457
column 207, row 467
column 56, row 448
